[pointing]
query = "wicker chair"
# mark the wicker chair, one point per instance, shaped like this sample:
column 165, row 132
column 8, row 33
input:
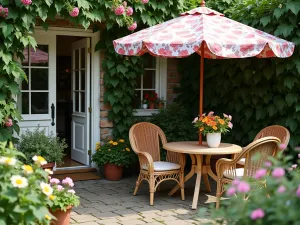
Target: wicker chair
column 227, row 168
column 145, row 141
column 276, row 131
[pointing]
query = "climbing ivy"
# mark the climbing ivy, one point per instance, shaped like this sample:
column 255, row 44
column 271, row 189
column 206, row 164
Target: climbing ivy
column 257, row 92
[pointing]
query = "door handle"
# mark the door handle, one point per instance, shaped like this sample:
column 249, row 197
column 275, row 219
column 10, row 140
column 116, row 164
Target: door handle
column 52, row 114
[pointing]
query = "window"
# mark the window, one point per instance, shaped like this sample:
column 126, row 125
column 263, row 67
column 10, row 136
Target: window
column 154, row 79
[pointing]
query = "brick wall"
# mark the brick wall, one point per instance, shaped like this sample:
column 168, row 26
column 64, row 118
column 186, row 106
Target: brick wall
column 173, row 79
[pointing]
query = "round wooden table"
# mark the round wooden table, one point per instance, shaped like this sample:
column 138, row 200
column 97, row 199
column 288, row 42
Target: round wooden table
column 196, row 152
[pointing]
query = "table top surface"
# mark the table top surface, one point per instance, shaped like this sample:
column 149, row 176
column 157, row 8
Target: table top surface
column 193, row 147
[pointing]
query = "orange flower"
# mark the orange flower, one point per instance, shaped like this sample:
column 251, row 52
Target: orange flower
column 214, row 127
column 202, row 128
column 221, row 121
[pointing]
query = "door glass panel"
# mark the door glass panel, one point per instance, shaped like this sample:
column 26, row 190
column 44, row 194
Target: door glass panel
column 138, row 82
column 82, row 56
column 83, row 80
column 76, row 80
column 40, row 57
column 76, row 101
column 76, row 59
column 39, row 103
column 39, row 79
column 149, row 79
column 25, row 85
column 25, row 60
column 149, row 62
column 24, row 98
column 82, row 101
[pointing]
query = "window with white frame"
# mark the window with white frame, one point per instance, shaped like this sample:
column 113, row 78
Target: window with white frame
column 153, row 80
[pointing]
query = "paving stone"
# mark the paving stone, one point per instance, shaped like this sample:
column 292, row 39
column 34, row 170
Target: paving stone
column 130, row 217
column 106, row 215
column 132, row 222
column 89, row 223
column 166, row 213
column 84, row 218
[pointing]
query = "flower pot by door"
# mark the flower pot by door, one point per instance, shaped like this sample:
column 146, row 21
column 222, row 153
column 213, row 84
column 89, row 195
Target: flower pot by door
column 145, row 106
column 160, row 105
column 63, row 218
column 213, row 139
column 49, row 166
column 151, row 105
column 113, row 172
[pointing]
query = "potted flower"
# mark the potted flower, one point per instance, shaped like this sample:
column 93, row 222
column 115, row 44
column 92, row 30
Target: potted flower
column 113, row 155
column 151, row 98
column 212, row 126
column 63, row 200
column 145, row 104
column 38, row 143
column 160, row 103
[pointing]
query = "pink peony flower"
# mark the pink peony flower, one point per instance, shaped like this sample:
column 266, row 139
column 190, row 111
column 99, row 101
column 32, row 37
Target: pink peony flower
column 243, row 187
column 236, row 182
column 231, row 191
column 145, row 1
column 8, row 123
column 71, row 191
column 257, row 214
column 132, row 26
column 195, row 120
column 294, row 166
column 282, row 146
column 278, row 172
column 54, row 181
column 74, row 12
column 260, row 173
column 298, row 191
column 119, row 10
column 129, row 11
column 26, row 2
column 60, row 188
column 230, row 125
column 281, row 189
column 210, row 113
column 268, row 164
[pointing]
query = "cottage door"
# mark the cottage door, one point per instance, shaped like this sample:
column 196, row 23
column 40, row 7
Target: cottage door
column 81, row 100
column 37, row 99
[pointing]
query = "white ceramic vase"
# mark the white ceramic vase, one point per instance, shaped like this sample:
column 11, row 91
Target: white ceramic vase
column 145, row 106
column 213, row 140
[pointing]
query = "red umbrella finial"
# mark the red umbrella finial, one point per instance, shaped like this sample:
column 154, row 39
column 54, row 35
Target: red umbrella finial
column 202, row 3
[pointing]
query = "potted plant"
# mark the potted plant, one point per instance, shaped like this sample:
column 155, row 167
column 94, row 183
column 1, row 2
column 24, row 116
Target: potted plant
column 63, row 200
column 145, row 104
column 212, row 126
column 38, row 143
column 160, row 103
column 151, row 98
column 113, row 155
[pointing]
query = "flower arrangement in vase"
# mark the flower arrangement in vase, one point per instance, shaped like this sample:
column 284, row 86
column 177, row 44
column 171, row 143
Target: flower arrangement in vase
column 151, row 98
column 212, row 126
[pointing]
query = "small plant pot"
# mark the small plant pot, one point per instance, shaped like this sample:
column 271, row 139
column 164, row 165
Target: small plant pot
column 151, row 105
column 113, row 172
column 160, row 105
column 145, row 106
column 49, row 166
column 213, row 140
column 63, row 217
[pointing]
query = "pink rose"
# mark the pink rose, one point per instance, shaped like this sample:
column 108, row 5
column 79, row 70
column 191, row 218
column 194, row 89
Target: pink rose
column 3, row 12
column 278, row 172
column 243, row 187
column 145, row 1
column 26, row 2
column 268, row 164
column 298, row 191
column 129, row 11
column 281, row 189
column 231, row 191
column 230, row 125
column 132, row 26
column 74, row 12
column 8, row 123
column 54, row 181
column 260, row 173
column 119, row 10
column 257, row 214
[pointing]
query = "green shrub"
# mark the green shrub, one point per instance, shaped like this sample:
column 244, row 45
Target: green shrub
column 38, row 143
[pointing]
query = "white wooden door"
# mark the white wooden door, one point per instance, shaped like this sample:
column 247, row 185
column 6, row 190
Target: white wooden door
column 37, row 99
column 81, row 100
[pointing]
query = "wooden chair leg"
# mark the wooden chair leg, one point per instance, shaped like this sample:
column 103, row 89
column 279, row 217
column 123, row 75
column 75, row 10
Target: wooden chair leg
column 137, row 184
column 206, row 182
column 218, row 194
column 181, row 180
column 152, row 189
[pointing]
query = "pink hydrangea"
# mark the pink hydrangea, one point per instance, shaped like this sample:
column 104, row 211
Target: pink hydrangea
column 119, row 10
column 68, row 181
column 281, row 189
column 282, row 146
column 74, row 12
column 26, row 2
column 71, row 191
column 54, row 181
column 145, row 1
column 129, row 11
column 231, row 191
column 243, row 187
column 132, row 26
column 298, row 191
column 60, row 188
column 9, row 123
column 268, row 164
column 260, row 173
column 257, row 214
column 278, row 172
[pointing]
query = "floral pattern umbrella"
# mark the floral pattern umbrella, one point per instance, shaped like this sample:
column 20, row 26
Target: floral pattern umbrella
column 206, row 32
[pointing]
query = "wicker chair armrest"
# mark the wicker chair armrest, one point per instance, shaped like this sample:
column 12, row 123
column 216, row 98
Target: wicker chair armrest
column 146, row 159
column 225, row 164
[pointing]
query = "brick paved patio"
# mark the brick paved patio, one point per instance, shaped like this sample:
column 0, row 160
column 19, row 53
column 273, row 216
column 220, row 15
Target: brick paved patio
column 112, row 203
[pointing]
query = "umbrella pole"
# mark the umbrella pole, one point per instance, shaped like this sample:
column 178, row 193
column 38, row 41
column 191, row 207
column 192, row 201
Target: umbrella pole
column 201, row 86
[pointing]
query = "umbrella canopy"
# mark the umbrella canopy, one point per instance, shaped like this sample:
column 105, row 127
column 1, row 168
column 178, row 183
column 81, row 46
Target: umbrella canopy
column 208, row 33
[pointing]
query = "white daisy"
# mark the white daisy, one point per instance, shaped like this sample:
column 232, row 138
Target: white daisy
column 8, row 161
column 18, row 181
column 49, row 171
column 27, row 169
column 39, row 160
column 46, row 188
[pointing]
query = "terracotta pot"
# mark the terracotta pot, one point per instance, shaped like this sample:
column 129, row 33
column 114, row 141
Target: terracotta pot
column 63, row 217
column 49, row 166
column 160, row 105
column 151, row 105
column 113, row 172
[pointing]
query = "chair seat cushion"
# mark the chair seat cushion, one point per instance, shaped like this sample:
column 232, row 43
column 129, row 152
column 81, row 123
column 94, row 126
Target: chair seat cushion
column 239, row 173
column 163, row 166
column 242, row 161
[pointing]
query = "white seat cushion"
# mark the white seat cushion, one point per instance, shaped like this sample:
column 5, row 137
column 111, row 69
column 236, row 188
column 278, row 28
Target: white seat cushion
column 163, row 166
column 239, row 173
column 242, row 161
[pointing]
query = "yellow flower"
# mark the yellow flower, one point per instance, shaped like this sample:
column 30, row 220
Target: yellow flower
column 39, row 160
column 128, row 149
column 47, row 217
column 221, row 121
column 18, row 181
column 98, row 143
column 52, row 197
column 28, row 169
column 110, row 142
column 214, row 127
column 121, row 140
column 8, row 161
column 46, row 189
column 115, row 143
